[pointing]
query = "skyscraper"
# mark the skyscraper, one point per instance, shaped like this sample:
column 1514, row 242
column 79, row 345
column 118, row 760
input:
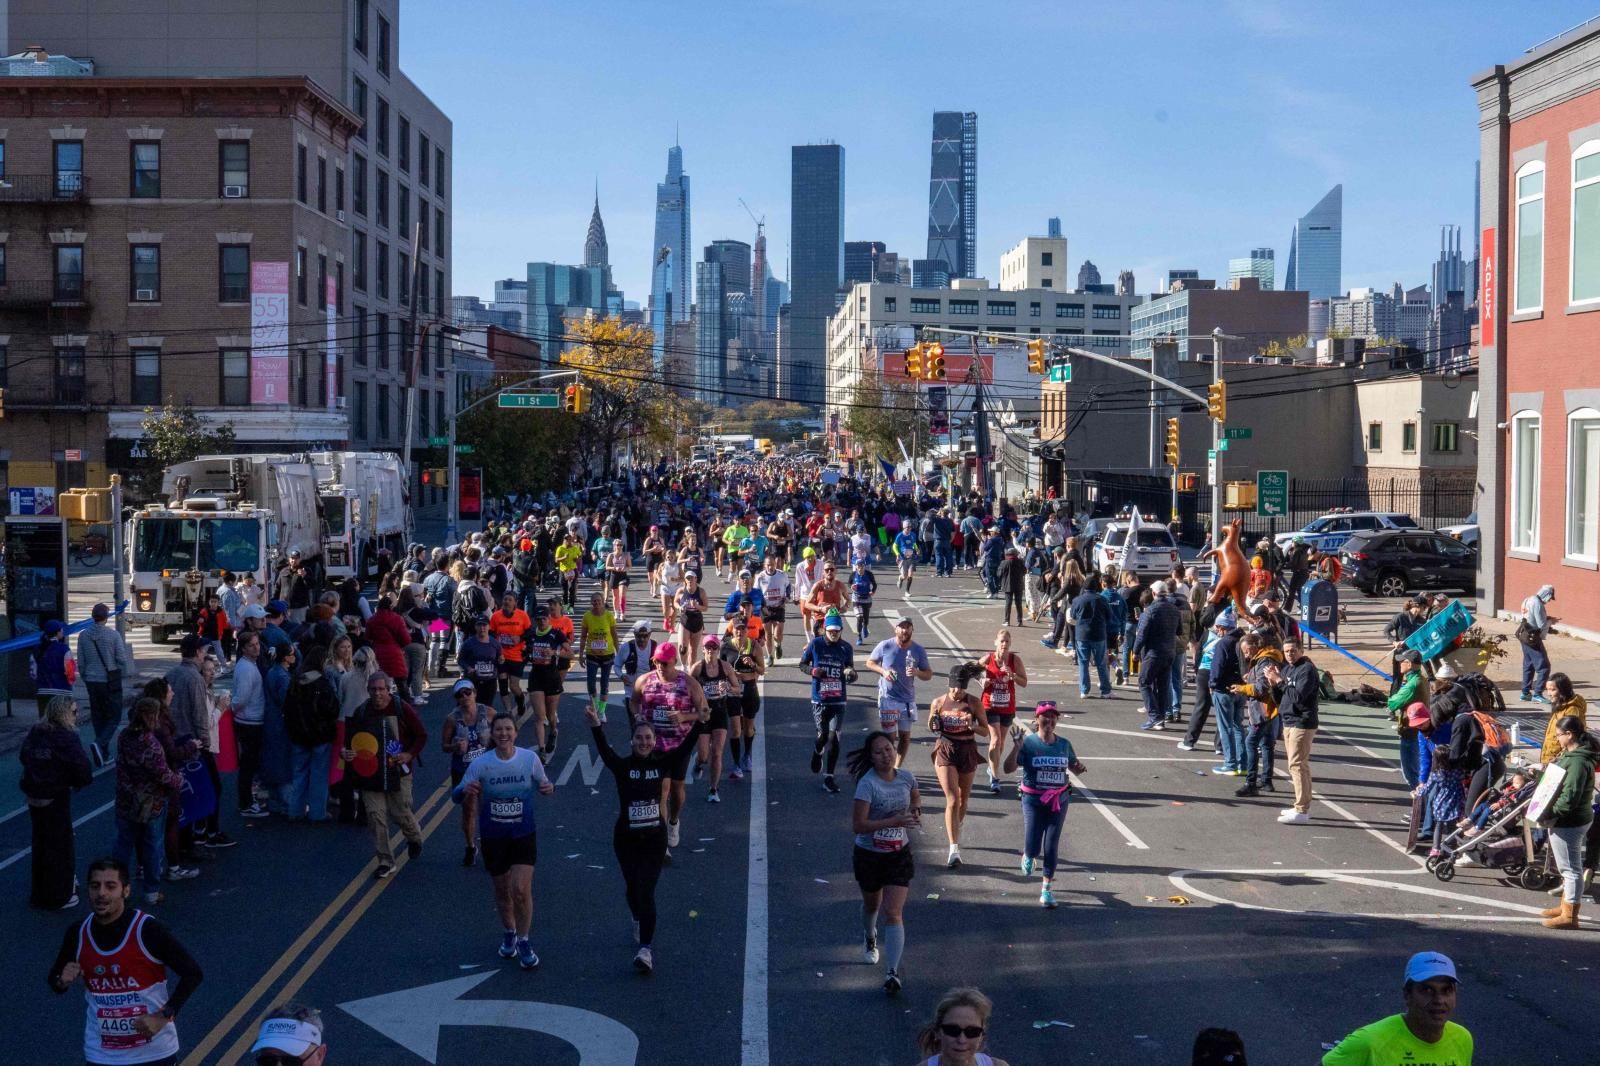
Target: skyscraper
column 1259, row 264
column 816, row 266
column 1315, row 249
column 1449, row 270
column 1125, row 283
column 1088, row 275
column 710, row 336
column 861, row 261
column 672, row 231
column 953, row 192
column 595, row 251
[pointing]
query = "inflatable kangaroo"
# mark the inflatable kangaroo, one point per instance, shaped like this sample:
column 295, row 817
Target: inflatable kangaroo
column 1233, row 573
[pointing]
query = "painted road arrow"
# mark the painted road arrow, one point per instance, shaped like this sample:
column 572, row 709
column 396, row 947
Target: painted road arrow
column 412, row 1018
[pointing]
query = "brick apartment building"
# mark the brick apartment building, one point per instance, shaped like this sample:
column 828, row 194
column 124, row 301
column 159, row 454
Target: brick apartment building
column 1539, row 411
column 133, row 212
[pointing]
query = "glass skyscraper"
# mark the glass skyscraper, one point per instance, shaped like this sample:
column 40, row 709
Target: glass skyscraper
column 1259, row 264
column 816, row 266
column 953, row 192
column 672, row 231
column 1315, row 249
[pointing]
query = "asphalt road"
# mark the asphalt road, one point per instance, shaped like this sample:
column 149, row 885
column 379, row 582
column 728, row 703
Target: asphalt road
column 1291, row 935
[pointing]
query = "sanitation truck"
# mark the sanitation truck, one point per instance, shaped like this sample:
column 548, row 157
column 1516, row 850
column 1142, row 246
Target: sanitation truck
column 365, row 510
column 236, row 513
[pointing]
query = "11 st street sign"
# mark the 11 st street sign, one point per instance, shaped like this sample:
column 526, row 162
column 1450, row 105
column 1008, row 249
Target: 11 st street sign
column 530, row 399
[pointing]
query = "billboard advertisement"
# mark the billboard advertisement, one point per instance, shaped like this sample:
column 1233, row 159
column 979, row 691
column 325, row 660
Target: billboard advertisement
column 269, row 333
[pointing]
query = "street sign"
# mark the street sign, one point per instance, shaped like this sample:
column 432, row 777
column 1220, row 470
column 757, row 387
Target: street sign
column 1211, row 454
column 1272, row 493
column 437, row 442
column 1222, row 445
column 1238, row 433
column 549, row 400
column 463, row 449
column 1061, row 372
column 74, row 455
column 1211, row 467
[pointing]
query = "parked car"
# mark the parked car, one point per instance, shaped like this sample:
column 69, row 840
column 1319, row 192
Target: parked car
column 1392, row 562
column 1466, row 532
column 1151, row 552
column 1329, row 532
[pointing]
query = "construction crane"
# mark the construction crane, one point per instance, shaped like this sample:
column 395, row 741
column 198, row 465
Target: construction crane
column 760, row 222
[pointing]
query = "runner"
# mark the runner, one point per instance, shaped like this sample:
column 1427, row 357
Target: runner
column 807, row 574
column 887, row 807
column 569, row 553
column 957, row 1031
column 669, row 699
column 632, row 660
column 546, row 646
column 831, row 664
column 617, row 564
column 863, row 586
column 510, row 626
column 479, row 659
column 900, row 663
column 640, row 836
column 719, row 549
column 655, row 553
column 1045, row 759
column 671, row 580
column 745, row 596
column 827, row 594
column 732, row 539
column 691, row 604
column 123, row 956
column 503, row 782
column 905, row 550
column 778, row 537
column 743, row 647
column 721, row 687
column 465, row 736
column 598, row 641
column 956, row 717
column 561, row 622
column 1003, row 674
column 691, row 556
column 773, row 583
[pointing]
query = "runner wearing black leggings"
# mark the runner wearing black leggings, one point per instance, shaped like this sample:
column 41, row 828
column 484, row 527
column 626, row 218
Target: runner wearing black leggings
column 640, row 837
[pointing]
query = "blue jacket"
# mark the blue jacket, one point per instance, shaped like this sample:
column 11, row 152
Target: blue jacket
column 1226, row 668
column 1156, row 637
column 1091, row 615
column 1118, row 610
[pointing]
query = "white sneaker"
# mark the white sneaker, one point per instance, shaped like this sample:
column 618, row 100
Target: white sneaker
column 644, row 962
column 1294, row 817
column 871, row 952
column 953, row 860
column 672, row 834
column 1184, row 745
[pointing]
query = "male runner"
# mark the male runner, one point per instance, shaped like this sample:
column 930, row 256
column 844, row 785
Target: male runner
column 900, row 663
column 831, row 664
column 773, row 584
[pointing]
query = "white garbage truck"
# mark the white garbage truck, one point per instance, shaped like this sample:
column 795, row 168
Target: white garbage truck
column 365, row 509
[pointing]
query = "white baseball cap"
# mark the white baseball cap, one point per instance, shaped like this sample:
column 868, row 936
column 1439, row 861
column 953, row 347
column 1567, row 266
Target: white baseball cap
column 289, row 1035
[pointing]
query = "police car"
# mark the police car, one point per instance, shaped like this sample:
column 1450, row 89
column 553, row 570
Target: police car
column 1329, row 532
column 1149, row 552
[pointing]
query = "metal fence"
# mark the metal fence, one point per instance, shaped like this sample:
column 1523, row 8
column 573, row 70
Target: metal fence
column 1432, row 501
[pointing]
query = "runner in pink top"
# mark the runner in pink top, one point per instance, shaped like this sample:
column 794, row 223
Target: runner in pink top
column 670, row 700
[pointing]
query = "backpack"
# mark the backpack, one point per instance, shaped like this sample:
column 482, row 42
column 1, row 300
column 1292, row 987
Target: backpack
column 630, row 657
column 311, row 712
column 468, row 606
column 522, row 566
column 1325, row 686
column 1495, row 737
column 1483, row 694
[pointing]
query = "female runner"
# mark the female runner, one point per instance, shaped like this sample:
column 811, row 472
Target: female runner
column 957, row 1031
column 670, row 700
column 655, row 552
column 887, row 807
column 640, row 836
column 617, row 564
column 691, row 603
column 719, row 551
column 670, row 577
column 956, row 717
column 1003, row 674
column 749, row 665
column 721, row 686
column 1045, row 759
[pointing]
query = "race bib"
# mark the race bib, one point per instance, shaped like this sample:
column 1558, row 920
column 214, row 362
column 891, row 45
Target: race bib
column 542, row 654
column 889, row 839
column 1000, row 697
column 116, row 1018
column 774, row 599
column 831, row 688
column 507, row 640
column 599, row 646
column 1051, row 777
column 714, row 689
column 644, row 814
column 505, row 810
column 662, row 715
column 483, row 669
column 1050, row 769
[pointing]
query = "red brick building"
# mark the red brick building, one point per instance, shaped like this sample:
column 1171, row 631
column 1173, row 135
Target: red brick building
column 1539, row 406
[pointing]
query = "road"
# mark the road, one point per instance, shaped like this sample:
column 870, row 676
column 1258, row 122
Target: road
column 1181, row 907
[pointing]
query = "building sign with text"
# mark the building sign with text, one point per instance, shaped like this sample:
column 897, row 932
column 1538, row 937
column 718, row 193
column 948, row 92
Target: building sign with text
column 269, row 333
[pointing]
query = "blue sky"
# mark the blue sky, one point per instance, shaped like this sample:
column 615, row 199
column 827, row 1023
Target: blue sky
column 1164, row 134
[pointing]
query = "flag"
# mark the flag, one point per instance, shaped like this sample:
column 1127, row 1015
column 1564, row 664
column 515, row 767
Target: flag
column 888, row 467
column 1135, row 523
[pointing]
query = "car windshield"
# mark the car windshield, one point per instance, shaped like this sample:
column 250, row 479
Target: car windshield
column 1316, row 525
column 1154, row 538
column 1403, row 521
column 1115, row 536
column 164, row 544
column 230, row 544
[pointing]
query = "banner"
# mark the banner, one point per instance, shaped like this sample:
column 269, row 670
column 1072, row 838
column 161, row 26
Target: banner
column 269, row 333
column 330, row 372
column 40, row 500
column 1488, row 291
column 938, row 410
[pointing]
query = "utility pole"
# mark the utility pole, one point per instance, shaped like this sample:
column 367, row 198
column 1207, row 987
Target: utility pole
column 980, row 429
column 414, row 365
column 1216, row 442
column 119, row 576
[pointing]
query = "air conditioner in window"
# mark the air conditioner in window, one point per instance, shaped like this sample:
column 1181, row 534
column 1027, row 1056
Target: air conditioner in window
column 233, row 192
column 339, row 215
column 144, row 295
column 340, row 403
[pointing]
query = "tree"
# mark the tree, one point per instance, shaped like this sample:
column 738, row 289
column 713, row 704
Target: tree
column 883, row 412
column 519, row 450
column 174, row 435
column 627, row 395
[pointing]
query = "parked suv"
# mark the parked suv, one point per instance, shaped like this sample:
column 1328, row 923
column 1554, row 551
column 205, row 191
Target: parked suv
column 1151, row 554
column 1392, row 562
column 1329, row 532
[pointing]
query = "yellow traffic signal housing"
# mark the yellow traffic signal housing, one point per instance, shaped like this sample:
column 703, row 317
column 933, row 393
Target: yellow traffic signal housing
column 914, row 361
column 2, row 403
column 569, row 399
column 581, row 399
column 1036, row 357
column 935, row 367
column 1186, row 482
column 1172, row 442
column 1217, row 401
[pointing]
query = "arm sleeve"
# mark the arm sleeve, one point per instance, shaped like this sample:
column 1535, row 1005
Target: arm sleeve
column 165, row 947
column 472, row 774
column 602, row 747
column 64, row 954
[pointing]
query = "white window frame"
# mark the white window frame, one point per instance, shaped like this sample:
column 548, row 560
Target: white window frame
column 1584, row 150
column 1582, row 414
column 1517, row 421
column 1534, row 167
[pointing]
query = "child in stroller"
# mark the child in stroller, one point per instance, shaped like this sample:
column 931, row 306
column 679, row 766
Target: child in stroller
column 1518, row 788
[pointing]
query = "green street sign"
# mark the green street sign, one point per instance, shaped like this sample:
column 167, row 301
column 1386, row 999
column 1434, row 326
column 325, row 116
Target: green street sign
column 1061, row 373
column 1239, row 433
column 529, row 399
column 1222, row 445
column 463, row 449
column 1211, row 453
column 1272, row 493
column 437, row 442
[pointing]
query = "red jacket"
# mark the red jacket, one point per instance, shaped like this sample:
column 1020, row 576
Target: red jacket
column 388, row 635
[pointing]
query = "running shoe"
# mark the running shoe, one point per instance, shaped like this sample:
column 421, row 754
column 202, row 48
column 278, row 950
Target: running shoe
column 1293, row 817
column 255, row 810
column 181, row 873
column 746, row 764
column 525, row 956
column 508, row 944
column 153, row 898
column 219, row 840
column 736, row 774
column 994, row 784
column 712, row 797
column 73, row 902
column 672, row 834
column 1222, row 771
column 892, row 983
column 830, row 784
column 871, row 952
column 1047, row 899
column 602, row 713
column 1537, row 698
column 1184, row 745
column 469, row 856
column 383, row 871
column 1153, row 727
column 1026, row 866
column 644, row 962
column 953, row 860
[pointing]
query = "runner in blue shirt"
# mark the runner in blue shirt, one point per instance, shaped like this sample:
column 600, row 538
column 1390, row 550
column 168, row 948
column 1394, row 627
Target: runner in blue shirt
column 831, row 663
column 905, row 550
column 503, row 782
column 1045, row 759
column 746, row 592
column 863, row 585
column 899, row 663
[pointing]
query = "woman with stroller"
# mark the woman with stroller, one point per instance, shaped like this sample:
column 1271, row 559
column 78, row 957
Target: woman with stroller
column 1569, row 816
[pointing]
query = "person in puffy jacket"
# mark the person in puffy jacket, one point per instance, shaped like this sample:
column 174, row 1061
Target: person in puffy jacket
column 54, row 765
column 388, row 635
column 52, row 667
column 311, row 718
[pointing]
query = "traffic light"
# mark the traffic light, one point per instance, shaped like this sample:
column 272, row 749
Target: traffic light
column 1036, row 356
column 569, row 399
column 2, row 403
column 427, row 477
column 581, row 399
column 1186, row 482
column 1172, row 442
column 914, row 361
column 1217, row 401
column 935, row 368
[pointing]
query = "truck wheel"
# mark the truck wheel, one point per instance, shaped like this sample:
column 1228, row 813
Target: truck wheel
column 158, row 634
column 1392, row 584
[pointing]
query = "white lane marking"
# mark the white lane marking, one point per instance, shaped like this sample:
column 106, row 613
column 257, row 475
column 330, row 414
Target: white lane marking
column 755, row 1048
column 25, row 852
column 1389, row 764
column 1525, row 913
column 586, row 761
column 1116, row 823
column 1173, row 736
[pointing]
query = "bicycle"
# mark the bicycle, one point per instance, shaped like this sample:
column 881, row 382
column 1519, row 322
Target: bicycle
column 86, row 554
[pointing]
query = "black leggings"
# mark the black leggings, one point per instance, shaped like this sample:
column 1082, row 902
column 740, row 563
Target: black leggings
column 1482, row 778
column 247, row 737
column 641, row 855
column 829, row 718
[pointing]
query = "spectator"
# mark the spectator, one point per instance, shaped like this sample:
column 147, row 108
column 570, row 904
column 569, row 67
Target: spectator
column 277, row 761
column 54, row 765
column 1155, row 642
column 1407, row 688
column 105, row 660
column 1565, row 702
column 145, row 784
column 191, row 717
column 389, row 636
column 311, row 719
column 213, row 627
column 1531, row 634
column 290, row 1034
column 1296, row 688
column 51, row 664
column 383, row 770
column 249, row 712
column 1569, row 816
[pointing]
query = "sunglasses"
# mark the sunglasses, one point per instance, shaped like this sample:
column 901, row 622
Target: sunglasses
column 278, row 1058
column 971, row 1032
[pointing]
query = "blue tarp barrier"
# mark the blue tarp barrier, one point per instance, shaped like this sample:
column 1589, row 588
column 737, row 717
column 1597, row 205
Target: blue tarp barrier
column 1347, row 654
column 29, row 641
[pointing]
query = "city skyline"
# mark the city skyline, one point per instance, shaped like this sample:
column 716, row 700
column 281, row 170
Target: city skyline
column 1309, row 128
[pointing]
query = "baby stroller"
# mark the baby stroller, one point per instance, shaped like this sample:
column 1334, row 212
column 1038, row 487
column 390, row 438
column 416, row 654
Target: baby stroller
column 1497, row 845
